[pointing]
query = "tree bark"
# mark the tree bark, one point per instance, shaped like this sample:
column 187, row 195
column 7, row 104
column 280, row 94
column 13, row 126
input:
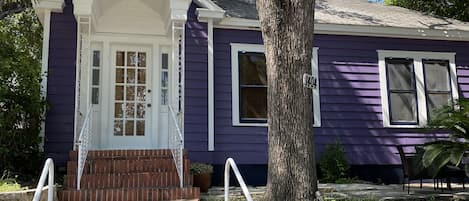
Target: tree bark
column 287, row 29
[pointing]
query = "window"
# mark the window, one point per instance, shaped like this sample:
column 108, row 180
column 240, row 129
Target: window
column 95, row 77
column 249, row 86
column 413, row 84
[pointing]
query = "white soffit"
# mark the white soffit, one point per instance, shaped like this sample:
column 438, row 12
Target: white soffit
column 53, row 5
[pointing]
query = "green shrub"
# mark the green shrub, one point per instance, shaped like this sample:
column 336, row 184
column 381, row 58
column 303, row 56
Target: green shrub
column 200, row 168
column 21, row 105
column 333, row 164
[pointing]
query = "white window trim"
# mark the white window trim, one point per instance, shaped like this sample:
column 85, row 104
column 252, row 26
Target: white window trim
column 240, row 47
column 419, row 77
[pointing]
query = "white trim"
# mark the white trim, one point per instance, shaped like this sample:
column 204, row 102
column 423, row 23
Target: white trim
column 208, row 4
column 316, row 96
column 41, row 7
column 420, row 85
column 45, row 66
column 211, row 88
column 239, row 47
column 359, row 30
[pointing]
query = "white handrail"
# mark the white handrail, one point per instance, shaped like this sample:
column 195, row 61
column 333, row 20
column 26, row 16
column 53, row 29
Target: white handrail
column 177, row 144
column 83, row 143
column 230, row 162
column 48, row 169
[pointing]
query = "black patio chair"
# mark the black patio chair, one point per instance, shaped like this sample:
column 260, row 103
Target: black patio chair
column 412, row 169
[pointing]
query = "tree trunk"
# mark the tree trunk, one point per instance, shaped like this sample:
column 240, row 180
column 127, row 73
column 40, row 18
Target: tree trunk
column 287, row 29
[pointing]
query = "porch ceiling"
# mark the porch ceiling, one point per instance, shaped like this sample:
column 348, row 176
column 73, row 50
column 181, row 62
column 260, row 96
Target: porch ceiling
column 131, row 16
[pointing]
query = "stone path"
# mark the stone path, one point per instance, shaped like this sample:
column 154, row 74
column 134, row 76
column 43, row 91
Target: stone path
column 368, row 192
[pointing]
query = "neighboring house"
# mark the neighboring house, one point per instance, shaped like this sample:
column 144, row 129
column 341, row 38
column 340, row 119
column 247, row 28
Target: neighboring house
column 381, row 69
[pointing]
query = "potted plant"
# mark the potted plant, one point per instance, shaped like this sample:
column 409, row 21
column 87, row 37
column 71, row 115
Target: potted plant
column 452, row 119
column 202, row 175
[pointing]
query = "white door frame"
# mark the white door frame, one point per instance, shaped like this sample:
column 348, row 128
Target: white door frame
column 156, row 46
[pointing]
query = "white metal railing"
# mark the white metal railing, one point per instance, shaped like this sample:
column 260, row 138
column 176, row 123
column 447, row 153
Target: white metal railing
column 48, row 169
column 176, row 142
column 84, row 144
column 231, row 163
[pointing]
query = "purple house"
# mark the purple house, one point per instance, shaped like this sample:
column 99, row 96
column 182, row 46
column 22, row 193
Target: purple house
column 190, row 74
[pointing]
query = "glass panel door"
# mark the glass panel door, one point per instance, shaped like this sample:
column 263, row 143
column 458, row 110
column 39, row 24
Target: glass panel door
column 130, row 93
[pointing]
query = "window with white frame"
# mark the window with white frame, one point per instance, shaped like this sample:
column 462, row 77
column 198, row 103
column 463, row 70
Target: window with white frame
column 414, row 84
column 249, row 85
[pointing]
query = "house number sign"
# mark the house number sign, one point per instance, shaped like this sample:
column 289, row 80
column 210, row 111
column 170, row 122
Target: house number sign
column 309, row 81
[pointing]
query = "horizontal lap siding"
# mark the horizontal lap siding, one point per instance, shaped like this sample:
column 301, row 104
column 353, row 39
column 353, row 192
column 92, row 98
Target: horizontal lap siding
column 196, row 88
column 349, row 93
column 61, row 86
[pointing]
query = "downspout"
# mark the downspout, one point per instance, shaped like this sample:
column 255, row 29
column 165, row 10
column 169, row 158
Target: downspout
column 45, row 67
column 211, row 88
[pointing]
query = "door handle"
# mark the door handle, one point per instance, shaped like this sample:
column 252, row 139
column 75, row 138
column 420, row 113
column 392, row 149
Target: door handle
column 149, row 105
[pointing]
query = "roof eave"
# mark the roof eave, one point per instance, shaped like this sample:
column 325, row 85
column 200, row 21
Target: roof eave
column 359, row 30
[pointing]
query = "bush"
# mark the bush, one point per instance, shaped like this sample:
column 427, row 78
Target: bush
column 21, row 105
column 200, row 168
column 333, row 164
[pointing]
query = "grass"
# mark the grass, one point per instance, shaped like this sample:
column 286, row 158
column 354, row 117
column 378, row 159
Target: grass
column 8, row 185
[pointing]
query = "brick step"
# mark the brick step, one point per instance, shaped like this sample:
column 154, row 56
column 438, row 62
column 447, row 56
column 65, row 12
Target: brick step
column 102, row 166
column 132, row 194
column 124, row 154
column 128, row 180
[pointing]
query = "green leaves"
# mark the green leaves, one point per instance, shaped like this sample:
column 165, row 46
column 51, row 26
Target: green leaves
column 21, row 106
column 457, row 9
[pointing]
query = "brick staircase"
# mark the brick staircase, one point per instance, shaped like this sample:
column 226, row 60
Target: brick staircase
column 127, row 175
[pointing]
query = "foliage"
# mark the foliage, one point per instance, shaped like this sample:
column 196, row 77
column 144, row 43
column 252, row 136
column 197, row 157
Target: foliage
column 21, row 105
column 9, row 7
column 201, row 168
column 333, row 164
column 8, row 184
column 454, row 119
column 457, row 9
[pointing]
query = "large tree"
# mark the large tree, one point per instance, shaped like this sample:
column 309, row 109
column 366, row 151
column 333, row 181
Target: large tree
column 457, row 9
column 21, row 105
column 287, row 29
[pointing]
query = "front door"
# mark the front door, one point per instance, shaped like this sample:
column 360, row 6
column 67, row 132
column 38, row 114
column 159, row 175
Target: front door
column 130, row 98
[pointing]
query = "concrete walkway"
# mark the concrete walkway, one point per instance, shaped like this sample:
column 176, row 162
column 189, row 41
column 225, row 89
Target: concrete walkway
column 368, row 192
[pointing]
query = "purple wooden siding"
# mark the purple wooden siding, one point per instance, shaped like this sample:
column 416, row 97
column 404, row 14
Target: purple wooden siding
column 349, row 93
column 61, row 85
column 196, row 86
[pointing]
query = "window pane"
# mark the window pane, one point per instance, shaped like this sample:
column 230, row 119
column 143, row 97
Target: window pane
column 141, row 76
column 164, row 61
column 142, row 59
column 436, row 75
column 119, row 93
column 164, row 97
column 164, row 79
column 403, row 107
column 131, row 76
column 95, row 77
column 118, row 127
column 118, row 110
column 95, row 95
column 129, row 128
column 131, row 59
column 253, row 103
column 435, row 101
column 130, row 93
column 141, row 93
column 252, row 69
column 119, row 75
column 96, row 58
column 400, row 74
column 120, row 58
column 140, row 128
